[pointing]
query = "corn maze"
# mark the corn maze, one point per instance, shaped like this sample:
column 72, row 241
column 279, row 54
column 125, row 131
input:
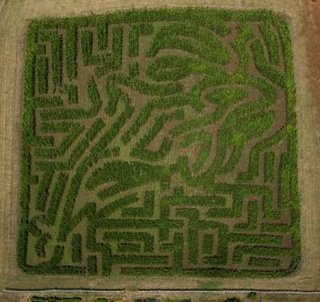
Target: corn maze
column 160, row 142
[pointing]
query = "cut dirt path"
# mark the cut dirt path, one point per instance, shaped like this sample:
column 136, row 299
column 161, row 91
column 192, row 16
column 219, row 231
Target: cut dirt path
column 13, row 22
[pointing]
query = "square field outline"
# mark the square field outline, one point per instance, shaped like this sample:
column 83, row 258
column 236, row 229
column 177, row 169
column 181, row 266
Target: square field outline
column 226, row 284
column 30, row 138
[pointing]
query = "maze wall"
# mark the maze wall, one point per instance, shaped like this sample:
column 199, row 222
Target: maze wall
column 160, row 142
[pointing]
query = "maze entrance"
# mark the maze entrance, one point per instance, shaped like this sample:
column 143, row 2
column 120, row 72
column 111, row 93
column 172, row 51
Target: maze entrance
column 160, row 142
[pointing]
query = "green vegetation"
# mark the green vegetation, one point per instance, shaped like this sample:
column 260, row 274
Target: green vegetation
column 76, row 248
column 56, row 53
column 42, row 74
column 116, row 142
column 252, row 295
column 72, row 92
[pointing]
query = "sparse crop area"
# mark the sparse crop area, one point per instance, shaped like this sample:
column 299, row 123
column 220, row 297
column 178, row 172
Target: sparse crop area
column 160, row 142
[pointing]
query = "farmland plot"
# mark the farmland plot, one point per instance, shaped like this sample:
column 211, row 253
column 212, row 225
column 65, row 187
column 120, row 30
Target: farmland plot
column 160, row 142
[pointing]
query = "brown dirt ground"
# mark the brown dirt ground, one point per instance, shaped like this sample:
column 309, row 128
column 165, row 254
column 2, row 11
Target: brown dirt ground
column 289, row 298
column 306, row 40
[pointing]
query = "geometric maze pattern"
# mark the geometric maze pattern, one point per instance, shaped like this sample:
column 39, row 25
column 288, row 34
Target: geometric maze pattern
column 160, row 142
